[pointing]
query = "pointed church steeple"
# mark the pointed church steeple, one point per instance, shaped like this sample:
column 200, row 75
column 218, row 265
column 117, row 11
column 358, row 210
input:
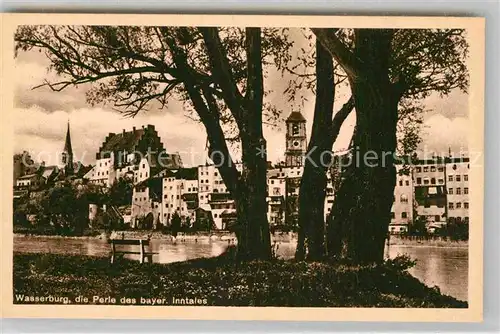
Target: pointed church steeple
column 67, row 155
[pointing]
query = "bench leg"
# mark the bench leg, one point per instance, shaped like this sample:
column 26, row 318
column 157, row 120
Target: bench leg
column 112, row 253
column 142, row 251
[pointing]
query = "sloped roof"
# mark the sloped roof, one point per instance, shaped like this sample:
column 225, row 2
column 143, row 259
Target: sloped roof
column 47, row 171
column 227, row 213
column 180, row 173
column 188, row 173
column 295, row 116
column 124, row 141
column 27, row 177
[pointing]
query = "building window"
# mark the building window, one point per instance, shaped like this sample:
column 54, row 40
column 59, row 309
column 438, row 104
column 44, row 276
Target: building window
column 466, row 190
column 450, row 206
column 426, row 169
column 440, row 169
column 272, row 181
column 458, row 178
column 450, row 191
column 400, row 182
column 433, row 168
column 450, row 178
column 466, row 177
column 407, row 182
column 393, row 215
column 426, row 181
column 419, row 180
column 466, row 219
column 433, row 180
column 441, row 181
column 466, row 205
column 143, row 165
column 403, row 199
column 459, row 205
column 437, row 218
column 215, row 174
column 459, row 191
column 419, row 169
column 404, row 215
column 215, row 215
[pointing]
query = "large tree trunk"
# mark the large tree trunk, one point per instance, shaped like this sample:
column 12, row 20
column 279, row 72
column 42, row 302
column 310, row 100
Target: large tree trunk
column 252, row 206
column 310, row 244
column 311, row 237
column 249, row 191
column 361, row 212
column 254, row 155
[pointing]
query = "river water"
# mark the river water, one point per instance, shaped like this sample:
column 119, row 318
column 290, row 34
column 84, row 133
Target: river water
column 446, row 267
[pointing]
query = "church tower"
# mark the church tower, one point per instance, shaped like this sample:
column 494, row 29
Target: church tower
column 67, row 154
column 296, row 140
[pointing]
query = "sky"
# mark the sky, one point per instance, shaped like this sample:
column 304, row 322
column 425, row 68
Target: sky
column 41, row 118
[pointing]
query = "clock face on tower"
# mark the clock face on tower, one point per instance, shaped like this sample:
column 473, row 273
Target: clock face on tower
column 296, row 143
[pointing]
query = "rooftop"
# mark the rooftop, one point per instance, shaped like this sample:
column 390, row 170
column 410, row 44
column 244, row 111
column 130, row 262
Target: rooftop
column 295, row 116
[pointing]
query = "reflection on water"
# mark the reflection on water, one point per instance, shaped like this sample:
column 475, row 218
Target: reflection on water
column 448, row 268
column 441, row 266
column 168, row 251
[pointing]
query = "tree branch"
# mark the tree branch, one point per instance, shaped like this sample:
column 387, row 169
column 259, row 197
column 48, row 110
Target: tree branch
column 255, row 86
column 339, row 51
column 222, row 71
column 340, row 117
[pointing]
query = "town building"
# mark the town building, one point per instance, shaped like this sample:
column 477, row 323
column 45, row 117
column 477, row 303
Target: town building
column 430, row 191
column 147, row 210
column 138, row 155
column 214, row 196
column 23, row 165
column 457, row 186
column 179, row 194
column 296, row 139
column 403, row 206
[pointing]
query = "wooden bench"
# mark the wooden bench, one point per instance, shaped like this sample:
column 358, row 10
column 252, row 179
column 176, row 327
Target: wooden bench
column 127, row 242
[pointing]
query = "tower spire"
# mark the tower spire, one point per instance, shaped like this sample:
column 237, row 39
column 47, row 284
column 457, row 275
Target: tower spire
column 67, row 155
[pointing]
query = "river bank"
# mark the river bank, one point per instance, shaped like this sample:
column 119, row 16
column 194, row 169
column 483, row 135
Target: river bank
column 278, row 237
column 155, row 235
column 220, row 281
column 426, row 242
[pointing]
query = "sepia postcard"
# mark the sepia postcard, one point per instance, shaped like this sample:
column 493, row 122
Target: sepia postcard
column 248, row 167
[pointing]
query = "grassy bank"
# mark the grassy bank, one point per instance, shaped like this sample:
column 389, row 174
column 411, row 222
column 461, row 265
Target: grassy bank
column 220, row 281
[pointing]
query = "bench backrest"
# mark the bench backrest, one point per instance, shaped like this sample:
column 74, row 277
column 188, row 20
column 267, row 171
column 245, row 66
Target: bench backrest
column 129, row 242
